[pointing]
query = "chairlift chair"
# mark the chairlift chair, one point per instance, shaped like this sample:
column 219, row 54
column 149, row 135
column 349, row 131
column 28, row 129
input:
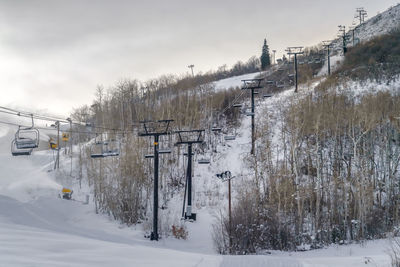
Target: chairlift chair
column 27, row 138
column 97, row 150
column 216, row 129
column 237, row 105
column 112, row 148
column 108, row 148
column 280, row 85
column 164, row 151
column 229, row 137
column 20, row 152
column 203, row 161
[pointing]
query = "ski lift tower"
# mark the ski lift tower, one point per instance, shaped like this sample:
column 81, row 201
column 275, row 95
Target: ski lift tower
column 361, row 14
column 295, row 50
column 189, row 138
column 328, row 46
column 252, row 85
column 156, row 129
column 342, row 34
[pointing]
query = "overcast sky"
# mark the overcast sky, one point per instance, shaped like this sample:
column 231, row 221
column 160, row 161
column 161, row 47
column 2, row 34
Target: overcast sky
column 54, row 53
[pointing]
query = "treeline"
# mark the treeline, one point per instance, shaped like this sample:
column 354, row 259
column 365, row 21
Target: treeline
column 122, row 185
column 332, row 175
column 335, row 178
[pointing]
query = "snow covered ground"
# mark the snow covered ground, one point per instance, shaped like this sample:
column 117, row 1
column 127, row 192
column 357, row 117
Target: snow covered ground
column 39, row 229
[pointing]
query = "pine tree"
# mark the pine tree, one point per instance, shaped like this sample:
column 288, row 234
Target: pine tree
column 265, row 59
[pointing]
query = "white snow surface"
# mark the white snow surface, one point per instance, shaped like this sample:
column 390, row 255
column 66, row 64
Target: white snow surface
column 377, row 25
column 335, row 62
column 234, row 82
column 39, row 229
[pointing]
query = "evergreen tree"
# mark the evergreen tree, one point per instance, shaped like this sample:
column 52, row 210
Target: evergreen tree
column 265, row 59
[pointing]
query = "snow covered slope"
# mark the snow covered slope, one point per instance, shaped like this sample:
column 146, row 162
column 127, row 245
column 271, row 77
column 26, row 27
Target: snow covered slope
column 39, row 229
column 233, row 82
column 375, row 26
column 379, row 24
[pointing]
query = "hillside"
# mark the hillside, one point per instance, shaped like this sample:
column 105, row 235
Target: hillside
column 321, row 188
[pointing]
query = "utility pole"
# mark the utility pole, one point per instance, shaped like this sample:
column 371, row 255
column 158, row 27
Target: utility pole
column 295, row 50
column 227, row 176
column 342, row 34
column 274, row 51
column 361, row 14
column 328, row 45
column 189, row 138
column 252, row 85
column 191, row 67
column 353, row 29
column 57, row 163
column 155, row 129
column 70, row 142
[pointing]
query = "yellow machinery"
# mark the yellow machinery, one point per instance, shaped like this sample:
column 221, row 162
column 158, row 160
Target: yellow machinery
column 65, row 137
column 52, row 144
column 66, row 193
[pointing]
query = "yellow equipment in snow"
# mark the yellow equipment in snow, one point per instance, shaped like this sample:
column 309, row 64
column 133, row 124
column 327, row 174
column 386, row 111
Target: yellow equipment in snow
column 66, row 193
column 52, row 144
column 65, row 137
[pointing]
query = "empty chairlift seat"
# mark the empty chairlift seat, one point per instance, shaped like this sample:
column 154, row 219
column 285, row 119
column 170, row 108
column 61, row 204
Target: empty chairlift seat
column 109, row 148
column 20, row 152
column 203, row 161
column 27, row 138
column 229, row 137
column 97, row 150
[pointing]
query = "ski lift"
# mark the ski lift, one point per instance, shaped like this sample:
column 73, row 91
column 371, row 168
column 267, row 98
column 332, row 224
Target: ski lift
column 27, row 137
column 229, row 137
column 237, row 105
column 97, row 150
column 203, row 161
column 280, row 84
column 102, row 149
column 20, row 152
column 111, row 148
column 164, row 151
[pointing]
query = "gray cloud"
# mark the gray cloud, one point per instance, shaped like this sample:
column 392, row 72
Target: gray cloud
column 54, row 53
